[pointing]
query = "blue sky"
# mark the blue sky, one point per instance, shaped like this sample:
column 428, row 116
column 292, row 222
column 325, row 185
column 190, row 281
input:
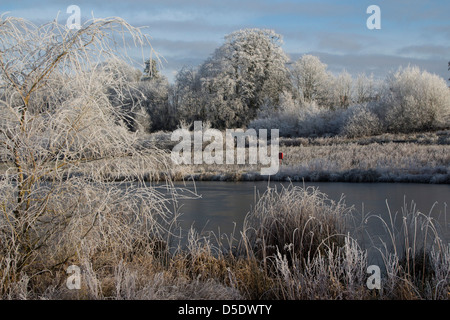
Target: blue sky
column 186, row 32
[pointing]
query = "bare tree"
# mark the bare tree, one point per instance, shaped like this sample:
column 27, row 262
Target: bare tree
column 311, row 80
column 343, row 86
column 62, row 140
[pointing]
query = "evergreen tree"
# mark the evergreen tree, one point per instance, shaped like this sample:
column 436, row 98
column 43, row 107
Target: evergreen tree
column 151, row 70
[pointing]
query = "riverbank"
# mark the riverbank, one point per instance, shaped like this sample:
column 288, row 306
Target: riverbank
column 415, row 158
column 294, row 245
column 405, row 158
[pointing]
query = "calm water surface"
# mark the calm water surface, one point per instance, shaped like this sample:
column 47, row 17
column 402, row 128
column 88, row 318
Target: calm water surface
column 224, row 205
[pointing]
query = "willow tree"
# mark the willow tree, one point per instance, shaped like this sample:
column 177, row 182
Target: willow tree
column 62, row 140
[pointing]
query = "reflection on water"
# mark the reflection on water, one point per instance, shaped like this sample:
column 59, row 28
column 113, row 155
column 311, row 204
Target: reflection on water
column 223, row 205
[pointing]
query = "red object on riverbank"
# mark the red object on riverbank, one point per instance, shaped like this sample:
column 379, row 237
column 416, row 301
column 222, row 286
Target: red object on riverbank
column 280, row 157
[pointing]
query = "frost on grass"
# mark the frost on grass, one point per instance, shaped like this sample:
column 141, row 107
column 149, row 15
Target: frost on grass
column 302, row 241
column 65, row 115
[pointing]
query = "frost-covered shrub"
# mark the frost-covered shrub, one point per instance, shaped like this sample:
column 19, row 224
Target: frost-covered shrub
column 284, row 117
column 286, row 123
column 305, row 120
column 315, row 120
column 359, row 121
column 415, row 100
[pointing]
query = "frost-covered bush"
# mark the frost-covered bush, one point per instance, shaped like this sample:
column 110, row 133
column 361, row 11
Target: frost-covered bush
column 314, row 120
column 360, row 121
column 284, row 117
column 287, row 124
column 415, row 100
column 303, row 120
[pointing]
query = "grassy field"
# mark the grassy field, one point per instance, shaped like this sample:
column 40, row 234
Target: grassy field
column 421, row 157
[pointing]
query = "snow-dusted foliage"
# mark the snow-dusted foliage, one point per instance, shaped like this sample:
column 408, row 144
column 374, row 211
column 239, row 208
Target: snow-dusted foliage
column 62, row 138
column 342, row 90
column 247, row 71
column 120, row 71
column 143, row 99
column 246, row 82
column 360, row 121
column 415, row 100
column 308, row 119
column 365, row 89
column 311, row 80
column 408, row 100
column 315, row 120
column 282, row 121
column 155, row 103
column 124, row 94
column 283, row 117
column 186, row 95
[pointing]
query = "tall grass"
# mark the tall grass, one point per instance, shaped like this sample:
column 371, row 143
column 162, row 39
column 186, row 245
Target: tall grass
column 63, row 142
column 295, row 244
column 420, row 158
column 415, row 256
column 296, row 222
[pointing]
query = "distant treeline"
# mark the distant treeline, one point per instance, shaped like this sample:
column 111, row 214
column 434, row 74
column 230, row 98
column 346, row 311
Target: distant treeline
column 249, row 82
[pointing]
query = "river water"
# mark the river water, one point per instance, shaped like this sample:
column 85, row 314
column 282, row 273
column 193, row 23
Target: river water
column 224, row 205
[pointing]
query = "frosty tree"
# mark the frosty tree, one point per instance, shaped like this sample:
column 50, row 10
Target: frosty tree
column 343, row 86
column 365, row 89
column 415, row 100
column 187, row 95
column 311, row 80
column 151, row 70
column 61, row 141
column 245, row 72
column 155, row 94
